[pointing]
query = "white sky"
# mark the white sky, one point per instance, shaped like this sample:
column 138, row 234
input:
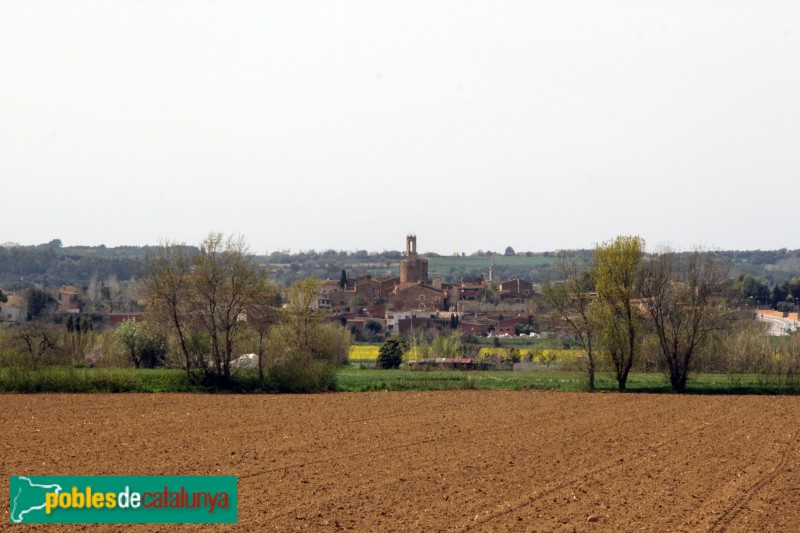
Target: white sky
column 347, row 124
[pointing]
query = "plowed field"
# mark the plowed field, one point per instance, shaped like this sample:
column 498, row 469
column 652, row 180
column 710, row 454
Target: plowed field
column 464, row 461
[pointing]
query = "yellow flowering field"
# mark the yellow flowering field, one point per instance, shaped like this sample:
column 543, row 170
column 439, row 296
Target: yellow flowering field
column 370, row 353
column 367, row 353
column 564, row 356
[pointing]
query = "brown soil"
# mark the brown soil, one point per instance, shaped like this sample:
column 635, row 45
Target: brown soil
column 465, row 461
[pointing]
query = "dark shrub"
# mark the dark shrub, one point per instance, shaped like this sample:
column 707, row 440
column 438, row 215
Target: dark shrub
column 391, row 353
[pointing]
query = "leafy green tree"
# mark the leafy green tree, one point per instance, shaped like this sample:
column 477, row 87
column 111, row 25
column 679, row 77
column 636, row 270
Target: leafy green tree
column 391, row 353
column 616, row 278
column 105, row 294
column 779, row 294
column 373, row 328
column 343, row 280
column 305, row 351
column 447, row 345
column 794, row 287
column 453, row 321
column 41, row 305
column 301, row 315
column 752, row 290
column 79, row 324
column 301, row 331
column 144, row 345
column 509, row 251
column 3, row 297
column 490, row 294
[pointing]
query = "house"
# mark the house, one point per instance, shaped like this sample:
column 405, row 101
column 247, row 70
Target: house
column 13, row 310
column 517, row 288
column 388, row 283
column 329, row 286
column 418, row 295
column 508, row 326
column 476, row 326
column 408, row 317
column 471, row 288
column 368, row 290
column 360, row 323
column 378, row 311
column 340, row 298
column 68, row 298
column 405, row 326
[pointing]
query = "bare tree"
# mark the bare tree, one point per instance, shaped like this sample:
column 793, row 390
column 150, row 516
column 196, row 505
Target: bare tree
column 226, row 280
column 301, row 316
column 683, row 297
column 262, row 314
column 210, row 290
column 37, row 338
column 166, row 286
column 571, row 298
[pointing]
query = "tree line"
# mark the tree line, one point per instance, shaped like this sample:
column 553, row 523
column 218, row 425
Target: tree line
column 612, row 301
column 51, row 265
column 211, row 303
column 780, row 296
column 219, row 299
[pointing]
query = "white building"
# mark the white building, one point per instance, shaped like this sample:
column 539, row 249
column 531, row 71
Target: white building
column 13, row 310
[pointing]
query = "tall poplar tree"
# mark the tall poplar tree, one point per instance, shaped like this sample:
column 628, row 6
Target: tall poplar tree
column 616, row 277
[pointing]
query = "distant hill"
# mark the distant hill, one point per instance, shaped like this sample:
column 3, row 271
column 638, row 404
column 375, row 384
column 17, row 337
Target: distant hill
column 52, row 265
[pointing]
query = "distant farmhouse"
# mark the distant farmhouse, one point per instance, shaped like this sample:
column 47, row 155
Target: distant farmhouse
column 68, row 298
column 13, row 310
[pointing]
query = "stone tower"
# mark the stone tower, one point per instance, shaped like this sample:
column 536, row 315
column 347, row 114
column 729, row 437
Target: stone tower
column 411, row 246
column 413, row 269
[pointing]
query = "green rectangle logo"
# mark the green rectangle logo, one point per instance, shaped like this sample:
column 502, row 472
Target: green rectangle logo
column 123, row 499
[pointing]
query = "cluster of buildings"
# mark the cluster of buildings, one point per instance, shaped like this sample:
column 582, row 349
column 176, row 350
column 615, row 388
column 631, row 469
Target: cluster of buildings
column 414, row 299
column 15, row 308
column 68, row 300
column 397, row 304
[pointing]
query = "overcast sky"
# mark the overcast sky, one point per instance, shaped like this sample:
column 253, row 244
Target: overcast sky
column 346, row 125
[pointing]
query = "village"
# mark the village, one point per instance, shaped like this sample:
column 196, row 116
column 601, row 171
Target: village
column 398, row 305
column 371, row 307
